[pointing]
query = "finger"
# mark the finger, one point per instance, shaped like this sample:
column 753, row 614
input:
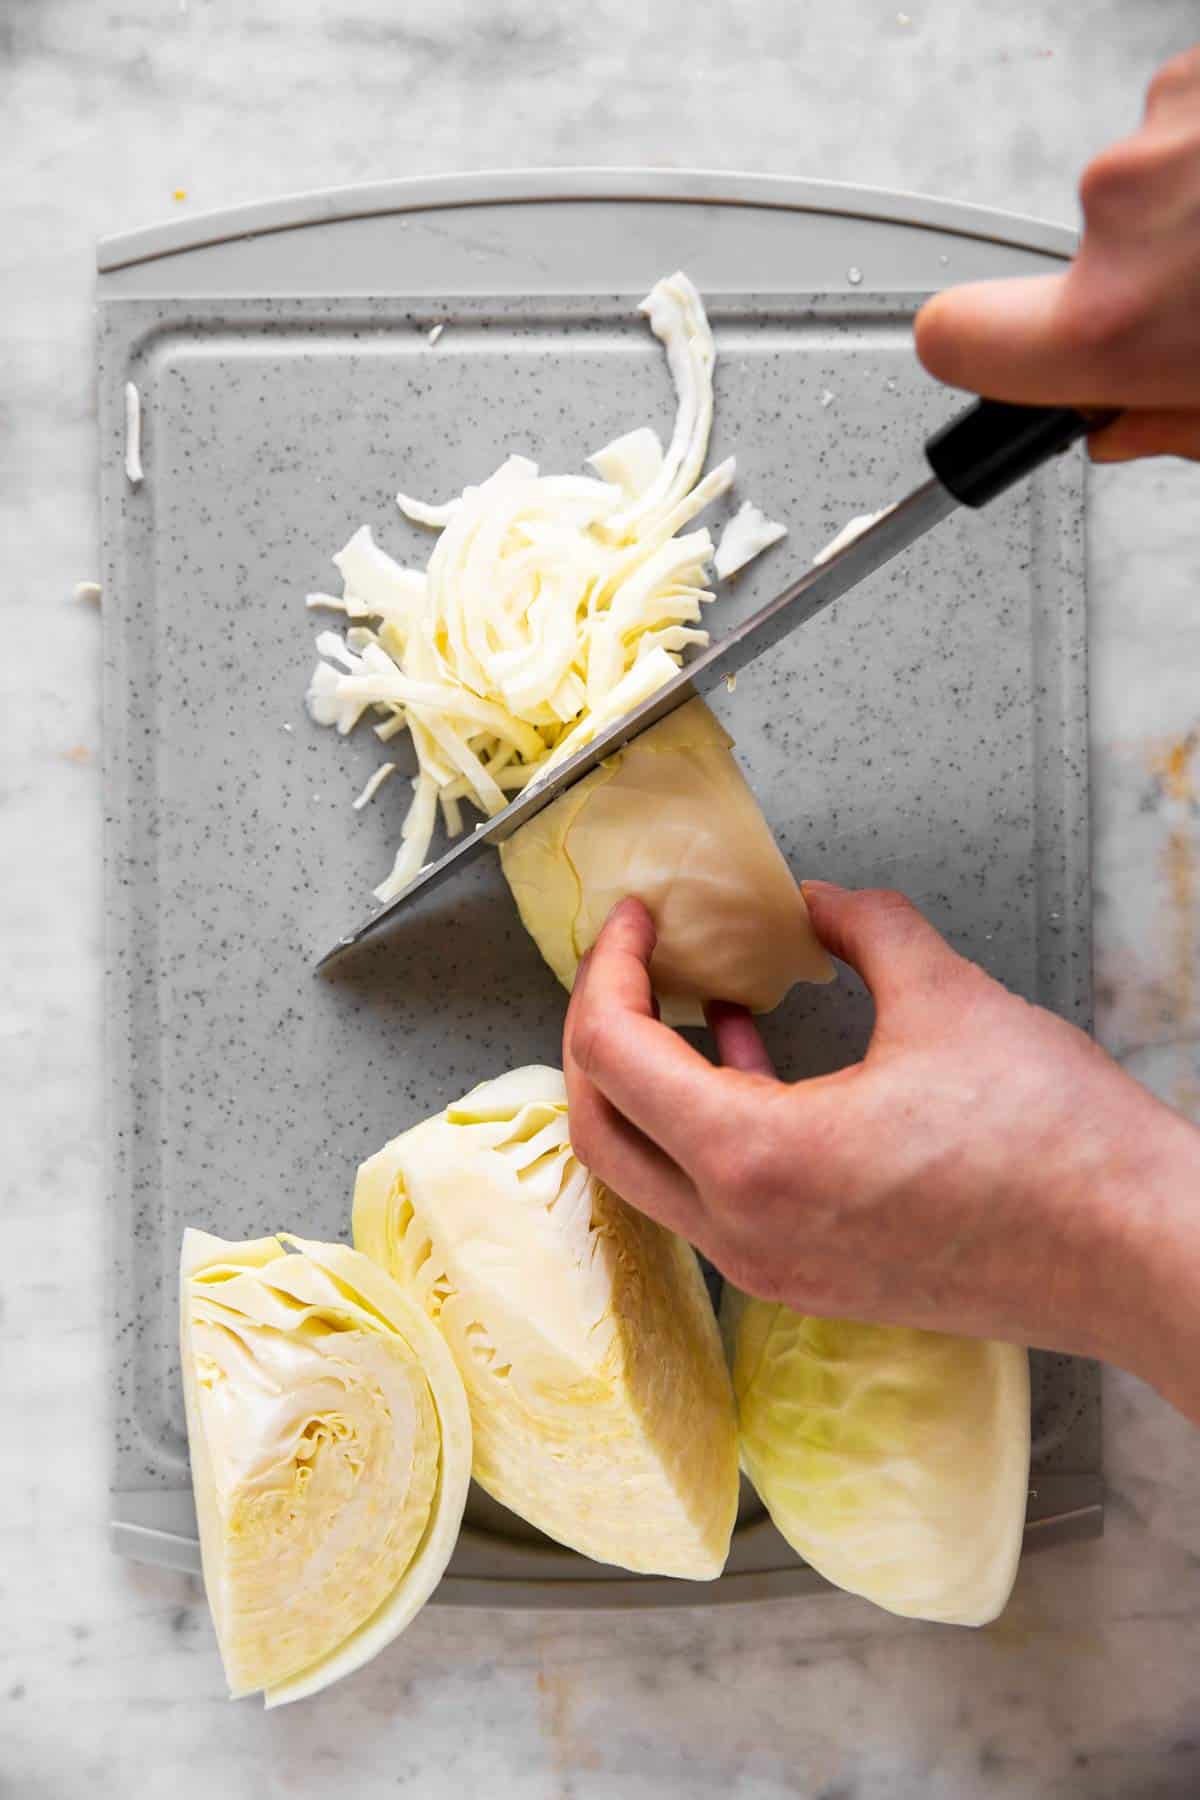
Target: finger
column 883, row 937
column 1047, row 340
column 671, row 1093
column 1147, row 433
column 613, row 1149
column 1004, row 339
column 628, row 1163
column 1174, row 92
column 739, row 1042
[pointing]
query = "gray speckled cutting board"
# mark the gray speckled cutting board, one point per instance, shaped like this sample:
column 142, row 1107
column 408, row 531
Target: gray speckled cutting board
column 928, row 733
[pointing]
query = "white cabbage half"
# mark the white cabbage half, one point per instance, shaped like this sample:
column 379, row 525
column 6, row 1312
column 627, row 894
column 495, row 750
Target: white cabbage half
column 672, row 820
column 896, row 1462
column 600, row 1400
column 331, row 1451
column 550, row 604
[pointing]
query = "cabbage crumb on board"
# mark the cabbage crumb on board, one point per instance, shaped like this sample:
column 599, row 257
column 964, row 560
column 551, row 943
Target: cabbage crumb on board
column 550, row 605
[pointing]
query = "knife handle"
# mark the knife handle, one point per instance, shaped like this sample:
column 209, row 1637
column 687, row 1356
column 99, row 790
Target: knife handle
column 992, row 444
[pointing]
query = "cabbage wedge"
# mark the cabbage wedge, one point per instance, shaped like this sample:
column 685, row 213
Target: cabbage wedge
column 896, row 1462
column 331, row 1451
column 671, row 820
column 600, row 1400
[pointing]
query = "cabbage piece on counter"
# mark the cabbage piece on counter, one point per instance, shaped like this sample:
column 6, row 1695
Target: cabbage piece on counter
column 331, row 1450
column 896, row 1462
column 672, row 820
column 600, row 1400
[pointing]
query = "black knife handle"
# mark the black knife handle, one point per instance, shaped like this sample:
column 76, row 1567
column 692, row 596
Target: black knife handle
column 992, row 444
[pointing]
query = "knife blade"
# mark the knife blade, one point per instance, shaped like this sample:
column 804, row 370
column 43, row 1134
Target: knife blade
column 974, row 457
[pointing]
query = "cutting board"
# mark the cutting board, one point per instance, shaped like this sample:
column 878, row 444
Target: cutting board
column 928, row 733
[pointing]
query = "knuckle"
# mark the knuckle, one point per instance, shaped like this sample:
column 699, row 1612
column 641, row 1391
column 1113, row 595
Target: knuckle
column 1126, row 181
column 1179, row 75
column 1105, row 180
column 740, row 1163
column 892, row 900
column 593, row 1040
column 1115, row 182
column 887, row 903
column 1110, row 173
column 586, row 1140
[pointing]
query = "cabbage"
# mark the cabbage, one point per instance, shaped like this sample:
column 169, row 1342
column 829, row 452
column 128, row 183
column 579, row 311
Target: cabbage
column 331, row 1450
column 631, row 462
column 896, row 1462
column 550, row 605
column 746, row 536
column 851, row 530
column 600, row 1401
column 671, row 820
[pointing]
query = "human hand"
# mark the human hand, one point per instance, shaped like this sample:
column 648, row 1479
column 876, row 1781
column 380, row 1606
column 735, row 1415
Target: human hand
column 986, row 1169
column 1121, row 328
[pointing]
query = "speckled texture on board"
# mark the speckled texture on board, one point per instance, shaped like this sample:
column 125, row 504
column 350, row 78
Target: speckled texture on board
column 928, row 734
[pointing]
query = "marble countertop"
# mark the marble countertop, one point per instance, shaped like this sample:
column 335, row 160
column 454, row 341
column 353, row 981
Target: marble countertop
column 109, row 1680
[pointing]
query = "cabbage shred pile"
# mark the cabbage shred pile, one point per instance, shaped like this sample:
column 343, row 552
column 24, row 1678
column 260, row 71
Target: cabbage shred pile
column 550, row 605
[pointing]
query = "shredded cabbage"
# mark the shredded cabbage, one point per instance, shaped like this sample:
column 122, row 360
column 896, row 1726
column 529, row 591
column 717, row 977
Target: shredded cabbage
column 550, row 604
column 331, row 1450
column 600, row 1401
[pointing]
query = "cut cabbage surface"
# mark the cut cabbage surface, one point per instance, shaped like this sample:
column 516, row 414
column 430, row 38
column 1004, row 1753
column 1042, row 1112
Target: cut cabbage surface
column 896, row 1462
column 672, row 820
column 331, row 1451
column 550, row 605
column 600, row 1400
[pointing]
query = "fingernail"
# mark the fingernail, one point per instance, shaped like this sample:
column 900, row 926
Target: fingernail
column 820, row 887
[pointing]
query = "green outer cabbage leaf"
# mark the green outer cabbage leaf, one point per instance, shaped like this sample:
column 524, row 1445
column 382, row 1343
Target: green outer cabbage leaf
column 895, row 1461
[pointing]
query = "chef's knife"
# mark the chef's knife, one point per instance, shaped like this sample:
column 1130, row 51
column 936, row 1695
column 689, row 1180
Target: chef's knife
column 974, row 457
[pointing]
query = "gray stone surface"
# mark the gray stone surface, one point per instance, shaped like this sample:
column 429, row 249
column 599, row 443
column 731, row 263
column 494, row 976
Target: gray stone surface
column 110, row 1683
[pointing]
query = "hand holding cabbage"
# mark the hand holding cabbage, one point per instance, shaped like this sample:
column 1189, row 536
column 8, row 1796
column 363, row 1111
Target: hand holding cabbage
column 672, row 821
column 986, row 1169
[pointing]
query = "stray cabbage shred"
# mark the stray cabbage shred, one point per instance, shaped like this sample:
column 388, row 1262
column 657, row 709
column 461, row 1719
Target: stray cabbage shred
column 551, row 604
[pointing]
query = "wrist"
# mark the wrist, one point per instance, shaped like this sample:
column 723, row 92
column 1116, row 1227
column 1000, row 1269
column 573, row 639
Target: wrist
column 1147, row 1312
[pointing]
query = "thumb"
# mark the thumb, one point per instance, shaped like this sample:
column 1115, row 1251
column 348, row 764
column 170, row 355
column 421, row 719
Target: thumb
column 1013, row 339
column 1152, row 432
column 883, row 938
